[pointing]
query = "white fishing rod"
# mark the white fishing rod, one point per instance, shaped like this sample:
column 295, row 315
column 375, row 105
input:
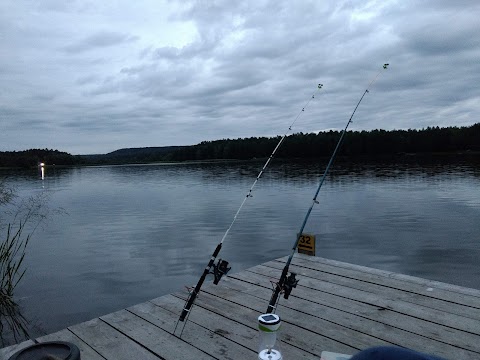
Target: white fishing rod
column 221, row 267
column 288, row 282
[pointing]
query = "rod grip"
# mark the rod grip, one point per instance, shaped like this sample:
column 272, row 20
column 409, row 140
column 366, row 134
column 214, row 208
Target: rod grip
column 278, row 288
column 193, row 295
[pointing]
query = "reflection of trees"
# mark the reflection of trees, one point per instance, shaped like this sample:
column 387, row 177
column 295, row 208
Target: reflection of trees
column 18, row 220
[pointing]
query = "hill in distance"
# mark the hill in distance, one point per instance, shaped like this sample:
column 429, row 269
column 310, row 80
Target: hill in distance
column 131, row 155
column 394, row 144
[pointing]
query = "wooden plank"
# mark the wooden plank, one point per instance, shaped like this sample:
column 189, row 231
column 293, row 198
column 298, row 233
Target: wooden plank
column 240, row 333
column 301, row 330
column 392, row 275
column 391, row 280
column 109, row 342
column 86, row 352
column 336, row 294
column 8, row 351
column 428, row 332
column 444, row 291
column 380, row 290
column 336, row 307
column 210, row 342
column 388, row 333
column 417, row 311
column 427, row 288
column 291, row 334
column 157, row 340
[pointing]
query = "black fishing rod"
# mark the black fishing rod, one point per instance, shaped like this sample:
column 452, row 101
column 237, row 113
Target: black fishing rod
column 221, row 267
column 288, row 282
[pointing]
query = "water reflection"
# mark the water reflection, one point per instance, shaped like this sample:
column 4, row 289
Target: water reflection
column 137, row 232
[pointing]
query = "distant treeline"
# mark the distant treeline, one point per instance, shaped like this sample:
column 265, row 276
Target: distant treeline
column 356, row 144
column 32, row 157
column 370, row 144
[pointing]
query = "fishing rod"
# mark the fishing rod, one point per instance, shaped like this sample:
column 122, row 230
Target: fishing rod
column 288, row 282
column 221, row 267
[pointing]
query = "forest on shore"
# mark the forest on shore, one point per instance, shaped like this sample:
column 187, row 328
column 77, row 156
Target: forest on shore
column 365, row 144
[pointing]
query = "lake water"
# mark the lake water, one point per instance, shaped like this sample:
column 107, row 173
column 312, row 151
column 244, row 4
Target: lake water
column 132, row 233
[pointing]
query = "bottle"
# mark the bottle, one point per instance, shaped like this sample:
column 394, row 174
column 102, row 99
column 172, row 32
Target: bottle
column 268, row 326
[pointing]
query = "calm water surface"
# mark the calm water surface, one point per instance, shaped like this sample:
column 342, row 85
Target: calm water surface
column 133, row 233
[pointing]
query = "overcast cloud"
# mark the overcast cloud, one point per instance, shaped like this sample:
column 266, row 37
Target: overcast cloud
column 93, row 76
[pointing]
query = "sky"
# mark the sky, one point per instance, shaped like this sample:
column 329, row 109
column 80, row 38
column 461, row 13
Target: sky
column 91, row 77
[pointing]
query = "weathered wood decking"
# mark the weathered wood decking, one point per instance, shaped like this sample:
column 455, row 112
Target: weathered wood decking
column 336, row 307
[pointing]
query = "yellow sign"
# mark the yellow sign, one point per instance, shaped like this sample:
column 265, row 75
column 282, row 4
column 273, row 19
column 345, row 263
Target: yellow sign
column 306, row 244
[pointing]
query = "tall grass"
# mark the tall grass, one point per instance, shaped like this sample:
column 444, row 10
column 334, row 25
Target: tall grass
column 19, row 218
column 12, row 254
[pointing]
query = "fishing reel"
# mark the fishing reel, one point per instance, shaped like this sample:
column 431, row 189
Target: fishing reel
column 219, row 269
column 290, row 283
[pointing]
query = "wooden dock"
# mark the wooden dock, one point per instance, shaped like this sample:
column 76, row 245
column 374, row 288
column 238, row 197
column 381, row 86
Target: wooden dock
column 336, row 307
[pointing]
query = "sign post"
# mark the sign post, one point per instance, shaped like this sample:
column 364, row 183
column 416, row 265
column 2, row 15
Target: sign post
column 306, row 244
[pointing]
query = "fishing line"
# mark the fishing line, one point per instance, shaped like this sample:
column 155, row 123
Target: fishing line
column 221, row 268
column 288, row 282
column 249, row 194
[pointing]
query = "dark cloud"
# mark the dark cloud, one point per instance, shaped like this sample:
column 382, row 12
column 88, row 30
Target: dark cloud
column 433, row 37
column 167, row 52
column 99, row 40
column 53, row 5
column 209, row 70
column 88, row 79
